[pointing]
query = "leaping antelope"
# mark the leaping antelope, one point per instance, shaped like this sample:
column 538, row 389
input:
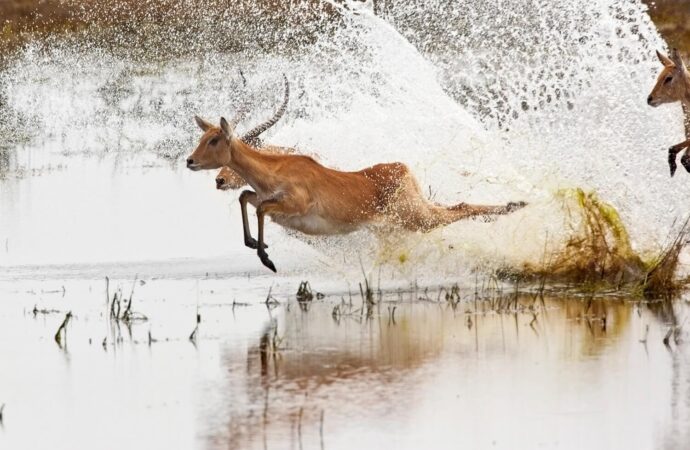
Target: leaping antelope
column 672, row 85
column 299, row 193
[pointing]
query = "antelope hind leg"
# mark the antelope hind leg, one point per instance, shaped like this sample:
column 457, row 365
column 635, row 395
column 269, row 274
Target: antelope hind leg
column 490, row 210
column 490, row 216
column 514, row 206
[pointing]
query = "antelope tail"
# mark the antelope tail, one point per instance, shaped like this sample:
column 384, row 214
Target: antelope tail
column 252, row 134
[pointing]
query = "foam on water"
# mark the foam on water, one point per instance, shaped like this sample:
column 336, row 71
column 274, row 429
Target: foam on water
column 487, row 102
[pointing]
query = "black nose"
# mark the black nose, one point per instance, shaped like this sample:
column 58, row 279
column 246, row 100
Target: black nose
column 649, row 100
column 220, row 182
column 190, row 161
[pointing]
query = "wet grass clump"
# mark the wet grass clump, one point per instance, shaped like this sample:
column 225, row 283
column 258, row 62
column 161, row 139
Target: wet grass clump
column 660, row 278
column 128, row 316
column 305, row 295
column 62, row 330
column 599, row 256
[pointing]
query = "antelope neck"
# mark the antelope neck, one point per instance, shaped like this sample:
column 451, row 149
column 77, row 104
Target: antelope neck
column 247, row 162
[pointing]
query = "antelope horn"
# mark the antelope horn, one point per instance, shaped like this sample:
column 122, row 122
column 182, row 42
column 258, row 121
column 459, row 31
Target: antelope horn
column 677, row 59
column 257, row 130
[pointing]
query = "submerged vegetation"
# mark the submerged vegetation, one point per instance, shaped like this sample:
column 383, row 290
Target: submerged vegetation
column 62, row 330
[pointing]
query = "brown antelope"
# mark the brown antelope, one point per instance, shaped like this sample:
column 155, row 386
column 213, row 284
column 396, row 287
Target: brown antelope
column 672, row 85
column 299, row 193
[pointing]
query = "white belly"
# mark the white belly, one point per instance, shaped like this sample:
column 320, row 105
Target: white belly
column 314, row 224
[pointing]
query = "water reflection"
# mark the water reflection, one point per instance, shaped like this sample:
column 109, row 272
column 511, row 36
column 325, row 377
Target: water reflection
column 548, row 373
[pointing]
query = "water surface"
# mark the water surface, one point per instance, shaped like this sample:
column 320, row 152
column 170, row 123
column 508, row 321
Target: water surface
column 412, row 372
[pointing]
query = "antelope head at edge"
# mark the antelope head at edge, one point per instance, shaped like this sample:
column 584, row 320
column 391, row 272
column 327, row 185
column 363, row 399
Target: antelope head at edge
column 213, row 150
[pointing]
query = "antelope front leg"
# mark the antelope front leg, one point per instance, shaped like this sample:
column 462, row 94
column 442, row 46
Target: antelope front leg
column 248, row 197
column 673, row 152
column 265, row 207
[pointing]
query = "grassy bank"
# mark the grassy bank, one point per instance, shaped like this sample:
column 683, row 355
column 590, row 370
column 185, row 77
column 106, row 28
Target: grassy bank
column 168, row 27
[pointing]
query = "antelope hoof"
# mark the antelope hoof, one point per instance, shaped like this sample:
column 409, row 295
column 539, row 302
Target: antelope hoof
column 514, row 206
column 263, row 256
column 252, row 243
column 685, row 161
column 672, row 160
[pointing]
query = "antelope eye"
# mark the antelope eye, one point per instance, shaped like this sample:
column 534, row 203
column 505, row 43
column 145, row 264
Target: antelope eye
column 668, row 79
column 213, row 141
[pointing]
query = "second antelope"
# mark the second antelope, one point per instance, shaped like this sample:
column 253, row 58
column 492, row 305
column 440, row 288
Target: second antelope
column 672, row 85
column 299, row 193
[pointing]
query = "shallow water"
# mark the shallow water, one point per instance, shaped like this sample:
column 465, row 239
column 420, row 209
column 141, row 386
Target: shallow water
column 484, row 107
column 557, row 373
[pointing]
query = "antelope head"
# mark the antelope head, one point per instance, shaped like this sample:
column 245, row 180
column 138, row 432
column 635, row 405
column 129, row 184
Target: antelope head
column 213, row 150
column 228, row 179
column 673, row 83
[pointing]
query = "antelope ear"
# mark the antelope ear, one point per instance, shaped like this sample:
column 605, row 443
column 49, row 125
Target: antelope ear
column 676, row 59
column 202, row 123
column 228, row 129
column 664, row 59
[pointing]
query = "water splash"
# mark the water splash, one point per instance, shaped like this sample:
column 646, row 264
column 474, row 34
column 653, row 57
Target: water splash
column 486, row 101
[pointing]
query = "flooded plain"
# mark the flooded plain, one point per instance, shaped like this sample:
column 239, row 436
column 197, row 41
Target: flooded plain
column 207, row 349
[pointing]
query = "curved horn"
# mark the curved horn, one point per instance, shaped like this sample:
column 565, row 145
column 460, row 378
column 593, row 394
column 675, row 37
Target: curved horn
column 677, row 59
column 257, row 130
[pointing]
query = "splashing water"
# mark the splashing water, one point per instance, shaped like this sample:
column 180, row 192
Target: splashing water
column 487, row 102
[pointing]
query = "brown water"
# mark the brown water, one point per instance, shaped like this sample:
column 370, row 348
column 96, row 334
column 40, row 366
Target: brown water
column 558, row 373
